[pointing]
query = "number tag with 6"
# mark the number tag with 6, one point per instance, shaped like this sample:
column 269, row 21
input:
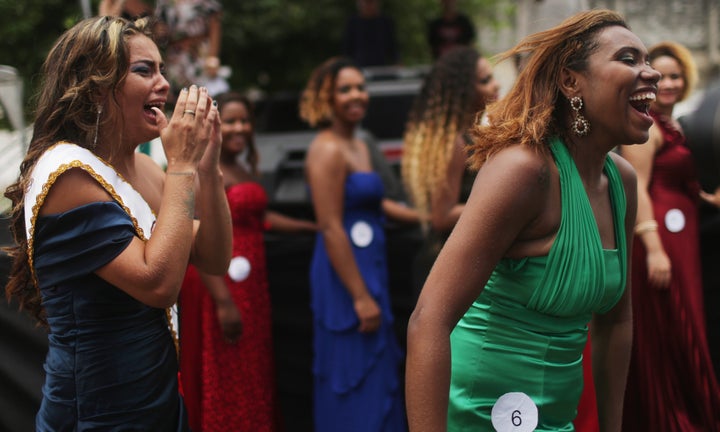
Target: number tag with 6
column 514, row 412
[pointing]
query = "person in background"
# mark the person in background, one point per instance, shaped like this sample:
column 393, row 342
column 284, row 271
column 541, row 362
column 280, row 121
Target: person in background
column 450, row 30
column 542, row 246
column 369, row 37
column 356, row 354
column 190, row 32
column 128, row 9
column 671, row 384
column 226, row 353
column 452, row 97
column 103, row 235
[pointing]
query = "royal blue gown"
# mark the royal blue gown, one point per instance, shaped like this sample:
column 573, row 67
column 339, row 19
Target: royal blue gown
column 111, row 363
column 357, row 387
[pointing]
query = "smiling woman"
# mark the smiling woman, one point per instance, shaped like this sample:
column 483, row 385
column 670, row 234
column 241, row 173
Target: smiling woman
column 103, row 235
column 356, row 354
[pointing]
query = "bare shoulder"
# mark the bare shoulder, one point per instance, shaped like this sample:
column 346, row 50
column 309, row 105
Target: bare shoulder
column 521, row 181
column 324, row 145
column 522, row 168
column 517, row 194
column 325, row 154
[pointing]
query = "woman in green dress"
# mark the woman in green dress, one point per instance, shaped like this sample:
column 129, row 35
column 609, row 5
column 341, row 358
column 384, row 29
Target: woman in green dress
column 540, row 251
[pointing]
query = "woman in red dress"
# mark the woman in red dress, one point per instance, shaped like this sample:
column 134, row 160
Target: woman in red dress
column 226, row 355
column 671, row 384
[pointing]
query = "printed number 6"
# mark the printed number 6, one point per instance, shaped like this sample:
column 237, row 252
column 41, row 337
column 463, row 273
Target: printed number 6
column 514, row 412
column 516, row 418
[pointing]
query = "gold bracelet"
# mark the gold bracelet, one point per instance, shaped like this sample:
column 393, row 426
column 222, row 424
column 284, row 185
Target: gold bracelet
column 646, row 226
column 180, row 173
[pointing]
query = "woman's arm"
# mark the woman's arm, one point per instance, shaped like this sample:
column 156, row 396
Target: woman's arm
column 509, row 192
column 212, row 248
column 445, row 209
column 612, row 332
column 280, row 222
column 400, row 212
column 641, row 157
column 326, row 172
column 228, row 314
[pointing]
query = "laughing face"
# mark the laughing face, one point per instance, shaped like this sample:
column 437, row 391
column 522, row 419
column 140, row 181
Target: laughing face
column 350, row 98
column 144, row 88
column 618, row 87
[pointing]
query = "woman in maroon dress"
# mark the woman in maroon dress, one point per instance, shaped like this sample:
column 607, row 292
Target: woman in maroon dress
column 671, row 384
column 226, row 357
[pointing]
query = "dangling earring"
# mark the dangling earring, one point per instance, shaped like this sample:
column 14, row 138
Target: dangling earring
column 97, row 125
column 580, row 125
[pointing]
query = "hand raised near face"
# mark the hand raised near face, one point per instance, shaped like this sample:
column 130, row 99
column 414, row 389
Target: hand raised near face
column 190, row 129
column 210, row 162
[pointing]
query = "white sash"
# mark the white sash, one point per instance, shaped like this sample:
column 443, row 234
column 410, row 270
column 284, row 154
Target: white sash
column 64, row 156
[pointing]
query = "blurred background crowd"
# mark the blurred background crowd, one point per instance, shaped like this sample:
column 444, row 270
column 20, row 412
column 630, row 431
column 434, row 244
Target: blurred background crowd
column 267, row 49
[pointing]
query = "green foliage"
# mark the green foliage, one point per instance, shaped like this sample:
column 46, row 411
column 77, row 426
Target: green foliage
column 269, row 44
column 28, row 28
column 274, row 44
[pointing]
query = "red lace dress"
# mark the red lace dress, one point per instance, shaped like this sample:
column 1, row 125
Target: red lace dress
column 231, row 387
column 671, row 384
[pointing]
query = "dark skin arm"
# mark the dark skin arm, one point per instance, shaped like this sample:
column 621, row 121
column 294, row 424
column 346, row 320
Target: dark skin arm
column 445, row 209
column 281, row 222
column 228, row 315
column 641, row 157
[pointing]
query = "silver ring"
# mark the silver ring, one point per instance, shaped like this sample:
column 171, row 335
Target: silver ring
column 191, row 112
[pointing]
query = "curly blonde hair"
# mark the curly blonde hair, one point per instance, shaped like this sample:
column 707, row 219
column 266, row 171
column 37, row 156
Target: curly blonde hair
column 443, row 109
column 534, row 109
column 684, row 58
column 316, row 100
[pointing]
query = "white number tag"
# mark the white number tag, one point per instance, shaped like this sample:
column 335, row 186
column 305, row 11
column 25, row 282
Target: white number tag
column 674, row 220
column 239, row 268
column 514, row 412
column 361, row 234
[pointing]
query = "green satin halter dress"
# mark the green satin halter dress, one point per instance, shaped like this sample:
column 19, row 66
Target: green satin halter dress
column 521, row 341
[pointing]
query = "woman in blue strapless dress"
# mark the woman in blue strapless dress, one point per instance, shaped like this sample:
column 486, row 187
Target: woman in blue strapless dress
column 103, row 235
column 356, row 354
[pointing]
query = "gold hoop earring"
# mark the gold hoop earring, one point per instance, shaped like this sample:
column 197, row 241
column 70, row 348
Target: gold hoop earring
column 580, row 125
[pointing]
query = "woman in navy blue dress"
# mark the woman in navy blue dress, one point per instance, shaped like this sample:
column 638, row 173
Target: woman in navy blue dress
column 356, row 354
column 104, row 235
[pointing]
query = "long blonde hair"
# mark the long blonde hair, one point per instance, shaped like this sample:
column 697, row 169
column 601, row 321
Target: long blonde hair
column 444, row 108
